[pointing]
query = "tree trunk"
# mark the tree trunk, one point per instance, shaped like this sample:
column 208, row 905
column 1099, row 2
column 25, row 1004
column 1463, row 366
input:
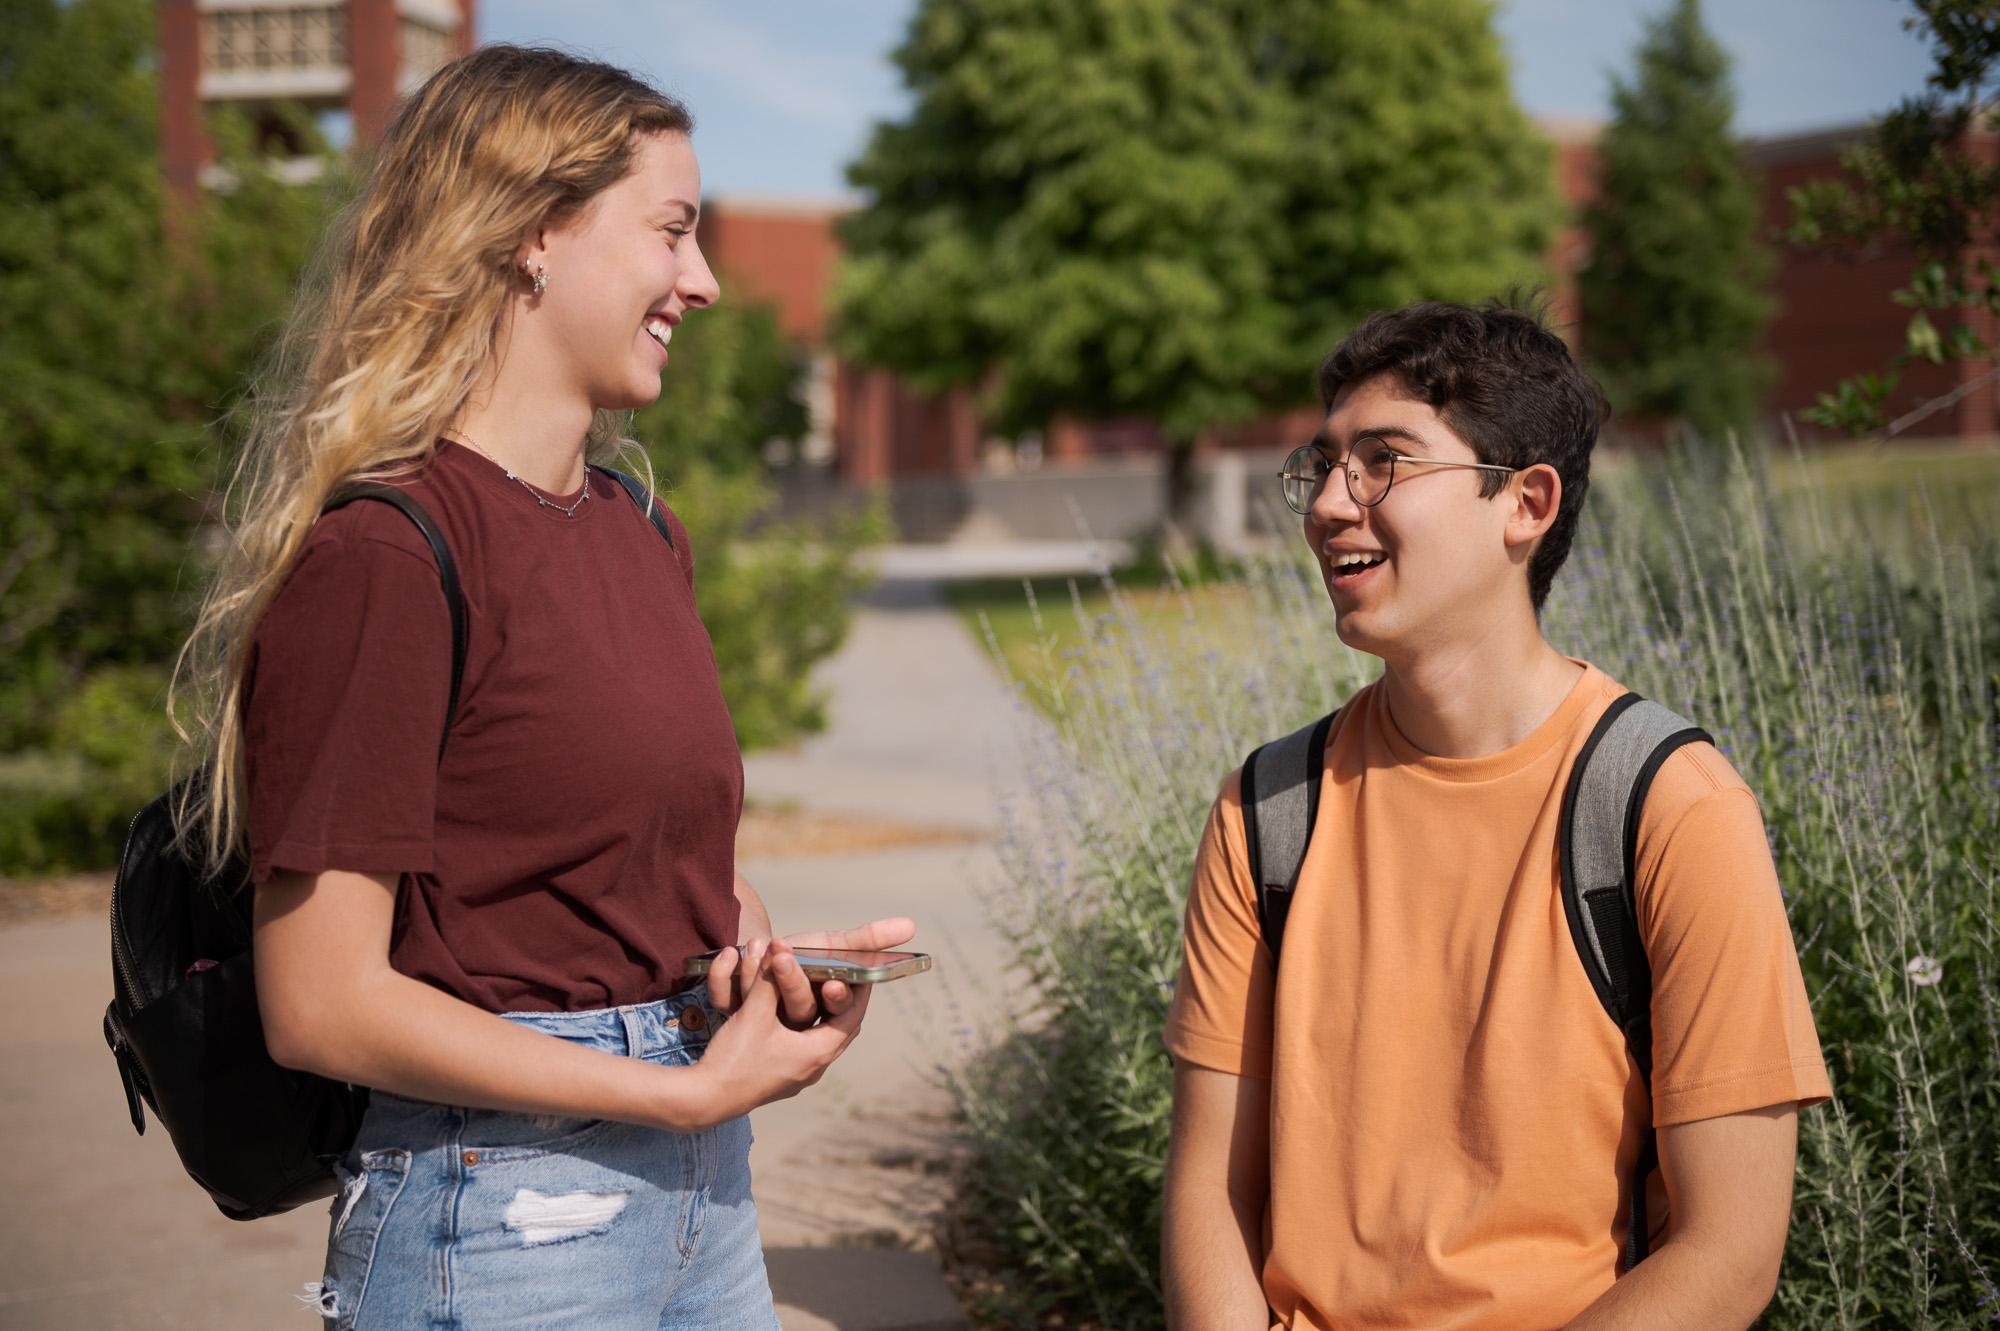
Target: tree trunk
column 1179, row 532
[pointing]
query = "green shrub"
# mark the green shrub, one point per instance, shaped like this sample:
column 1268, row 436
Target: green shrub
column 66, row 806
column 1854, row 685
column 774, row 605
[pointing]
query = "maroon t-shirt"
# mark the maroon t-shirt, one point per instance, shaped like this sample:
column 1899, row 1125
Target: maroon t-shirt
column 576, row 842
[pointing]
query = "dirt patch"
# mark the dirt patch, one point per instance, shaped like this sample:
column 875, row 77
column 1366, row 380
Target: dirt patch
column 764, row 834
column 772, row 834
column 22, row 900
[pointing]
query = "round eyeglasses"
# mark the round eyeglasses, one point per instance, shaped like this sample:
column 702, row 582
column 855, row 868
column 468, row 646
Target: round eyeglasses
column 1369, row 471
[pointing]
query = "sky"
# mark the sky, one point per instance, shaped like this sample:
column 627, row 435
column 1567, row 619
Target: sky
column 784, row 91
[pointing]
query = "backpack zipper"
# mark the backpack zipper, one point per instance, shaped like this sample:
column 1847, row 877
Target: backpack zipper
column 120, row 959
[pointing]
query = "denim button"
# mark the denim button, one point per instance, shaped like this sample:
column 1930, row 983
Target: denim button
column 693, row 1018
column 472, row 1157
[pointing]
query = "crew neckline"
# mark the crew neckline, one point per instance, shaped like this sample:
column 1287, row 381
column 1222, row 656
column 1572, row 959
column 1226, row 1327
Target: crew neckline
column 494, row 477
column 1553, row 730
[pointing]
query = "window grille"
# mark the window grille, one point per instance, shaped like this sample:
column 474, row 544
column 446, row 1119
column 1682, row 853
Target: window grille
column 235, row 40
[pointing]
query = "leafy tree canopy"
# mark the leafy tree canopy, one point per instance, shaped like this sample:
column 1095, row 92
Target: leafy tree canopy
column 1083, row 200
column 1410, row 173
column 1922, row 179
column 1672, row 292
column 118, row 346
column 1172, row 208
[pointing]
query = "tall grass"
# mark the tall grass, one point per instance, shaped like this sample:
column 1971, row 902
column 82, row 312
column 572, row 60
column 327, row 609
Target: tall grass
column 1851, row 679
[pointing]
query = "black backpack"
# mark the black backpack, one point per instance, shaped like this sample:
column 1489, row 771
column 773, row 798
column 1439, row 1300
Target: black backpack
column 183, row 1021
column 1597, row 843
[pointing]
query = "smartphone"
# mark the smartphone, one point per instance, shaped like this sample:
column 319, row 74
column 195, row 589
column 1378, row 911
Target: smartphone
column 826, row 963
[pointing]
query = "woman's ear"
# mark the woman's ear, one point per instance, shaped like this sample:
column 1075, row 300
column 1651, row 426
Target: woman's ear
column 533, row 250
column 1536, row 501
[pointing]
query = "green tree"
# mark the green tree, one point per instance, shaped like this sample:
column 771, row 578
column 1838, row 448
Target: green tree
column 1078, row 215
column 118, row 348
column 1672, row 293
column 1171, row 209
column 127, row 320
column 1410, row 172
column 1922, row 179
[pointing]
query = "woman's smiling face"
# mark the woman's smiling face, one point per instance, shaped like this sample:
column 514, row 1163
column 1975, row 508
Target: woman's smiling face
column 622, row 274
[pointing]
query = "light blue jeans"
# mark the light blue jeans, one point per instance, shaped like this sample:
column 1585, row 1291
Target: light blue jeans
column 478, row 1220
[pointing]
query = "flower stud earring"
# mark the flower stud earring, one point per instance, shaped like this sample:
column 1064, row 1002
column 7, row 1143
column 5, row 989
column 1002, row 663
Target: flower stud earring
column 539, row 279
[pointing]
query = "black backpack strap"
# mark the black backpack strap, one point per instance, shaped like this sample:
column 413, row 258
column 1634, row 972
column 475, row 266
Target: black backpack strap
column 1280, row 796
column 447, row 571
column 1598, row 842
column 644, row 499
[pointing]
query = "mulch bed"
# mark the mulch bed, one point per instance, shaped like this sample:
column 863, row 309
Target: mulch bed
column 764, row 834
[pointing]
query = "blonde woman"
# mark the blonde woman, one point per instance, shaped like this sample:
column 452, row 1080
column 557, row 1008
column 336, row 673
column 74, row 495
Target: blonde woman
column 492, row 935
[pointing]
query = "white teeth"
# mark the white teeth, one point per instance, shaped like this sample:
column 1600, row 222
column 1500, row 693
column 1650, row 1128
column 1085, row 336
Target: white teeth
column 1353, row 557
column 660, row 331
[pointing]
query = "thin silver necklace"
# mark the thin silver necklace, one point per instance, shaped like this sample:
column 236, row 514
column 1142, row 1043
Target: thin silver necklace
column 568, row 511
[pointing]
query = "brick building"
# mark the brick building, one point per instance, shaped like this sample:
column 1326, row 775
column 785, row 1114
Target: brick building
column 1834, row 318
column 358, row 57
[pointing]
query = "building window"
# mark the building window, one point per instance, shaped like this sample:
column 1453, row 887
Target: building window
column 237, row 40
column 425, row 48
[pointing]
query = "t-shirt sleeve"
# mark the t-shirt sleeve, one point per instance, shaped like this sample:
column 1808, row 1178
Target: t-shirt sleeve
column 344, row 700
column 1732, row 1028
column 1221, row 1014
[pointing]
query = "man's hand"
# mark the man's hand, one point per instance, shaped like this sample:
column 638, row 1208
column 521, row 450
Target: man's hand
column 800, row 1001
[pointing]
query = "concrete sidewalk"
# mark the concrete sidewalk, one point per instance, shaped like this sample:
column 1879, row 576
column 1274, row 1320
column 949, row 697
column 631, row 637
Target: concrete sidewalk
column 920, row 730
column 102, row 1230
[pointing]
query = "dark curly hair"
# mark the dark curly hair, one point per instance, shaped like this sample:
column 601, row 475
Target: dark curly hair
column 1503, row 382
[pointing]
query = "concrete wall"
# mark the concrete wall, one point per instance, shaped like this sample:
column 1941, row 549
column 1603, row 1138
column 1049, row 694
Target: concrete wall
column 1111, row 499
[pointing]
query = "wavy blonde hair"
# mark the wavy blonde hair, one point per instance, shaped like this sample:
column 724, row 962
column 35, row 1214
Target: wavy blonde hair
column 398, row 317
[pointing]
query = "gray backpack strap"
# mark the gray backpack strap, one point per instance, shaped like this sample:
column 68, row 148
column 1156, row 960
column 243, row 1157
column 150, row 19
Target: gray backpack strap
column 1280, row 795
column 1598, row 842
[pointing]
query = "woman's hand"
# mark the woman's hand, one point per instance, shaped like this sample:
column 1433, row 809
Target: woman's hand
column 801, row 1001
column 757, row 1058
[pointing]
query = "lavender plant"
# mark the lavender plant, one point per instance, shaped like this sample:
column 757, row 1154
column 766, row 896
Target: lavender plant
column 1853, row 684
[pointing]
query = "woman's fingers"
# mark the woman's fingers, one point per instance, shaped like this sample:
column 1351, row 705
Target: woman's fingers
column 722, row 979
column 894, row 931
column 757, row 994
column 834, row 996
column 795, row 991
column 848, row 1020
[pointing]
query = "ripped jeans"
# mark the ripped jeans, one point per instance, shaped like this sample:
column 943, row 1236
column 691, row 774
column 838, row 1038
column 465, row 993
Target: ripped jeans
column 477, row 1220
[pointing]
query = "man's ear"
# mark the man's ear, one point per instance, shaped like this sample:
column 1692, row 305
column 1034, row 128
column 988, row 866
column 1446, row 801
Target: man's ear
column 1536, row 499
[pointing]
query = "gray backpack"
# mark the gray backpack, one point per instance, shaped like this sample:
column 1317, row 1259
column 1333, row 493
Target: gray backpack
column 1597, row 843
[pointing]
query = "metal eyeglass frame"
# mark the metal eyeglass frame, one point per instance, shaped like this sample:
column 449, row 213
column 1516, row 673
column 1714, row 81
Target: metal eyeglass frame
column 1347, row 472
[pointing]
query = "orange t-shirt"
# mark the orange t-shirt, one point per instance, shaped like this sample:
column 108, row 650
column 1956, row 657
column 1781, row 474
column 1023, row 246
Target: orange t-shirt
column 1453, row 1115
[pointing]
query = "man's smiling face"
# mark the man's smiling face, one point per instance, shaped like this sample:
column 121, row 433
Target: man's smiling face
column 1427, row 564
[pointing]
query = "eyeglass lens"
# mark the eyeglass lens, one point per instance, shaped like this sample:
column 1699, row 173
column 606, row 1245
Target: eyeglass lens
column 1370, row 470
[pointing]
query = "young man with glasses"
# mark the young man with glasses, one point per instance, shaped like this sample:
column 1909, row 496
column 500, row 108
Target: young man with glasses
column 1424, row 1118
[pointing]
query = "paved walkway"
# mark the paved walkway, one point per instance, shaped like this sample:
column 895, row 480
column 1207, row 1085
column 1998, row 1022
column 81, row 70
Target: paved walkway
column 100, row 1229
column 919, row 731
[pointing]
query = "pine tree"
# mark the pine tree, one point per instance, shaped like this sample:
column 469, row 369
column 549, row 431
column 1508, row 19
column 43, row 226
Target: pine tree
column 1672, row 294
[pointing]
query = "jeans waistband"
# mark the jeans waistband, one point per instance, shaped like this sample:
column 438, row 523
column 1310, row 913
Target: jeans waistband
column 636, row 1030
